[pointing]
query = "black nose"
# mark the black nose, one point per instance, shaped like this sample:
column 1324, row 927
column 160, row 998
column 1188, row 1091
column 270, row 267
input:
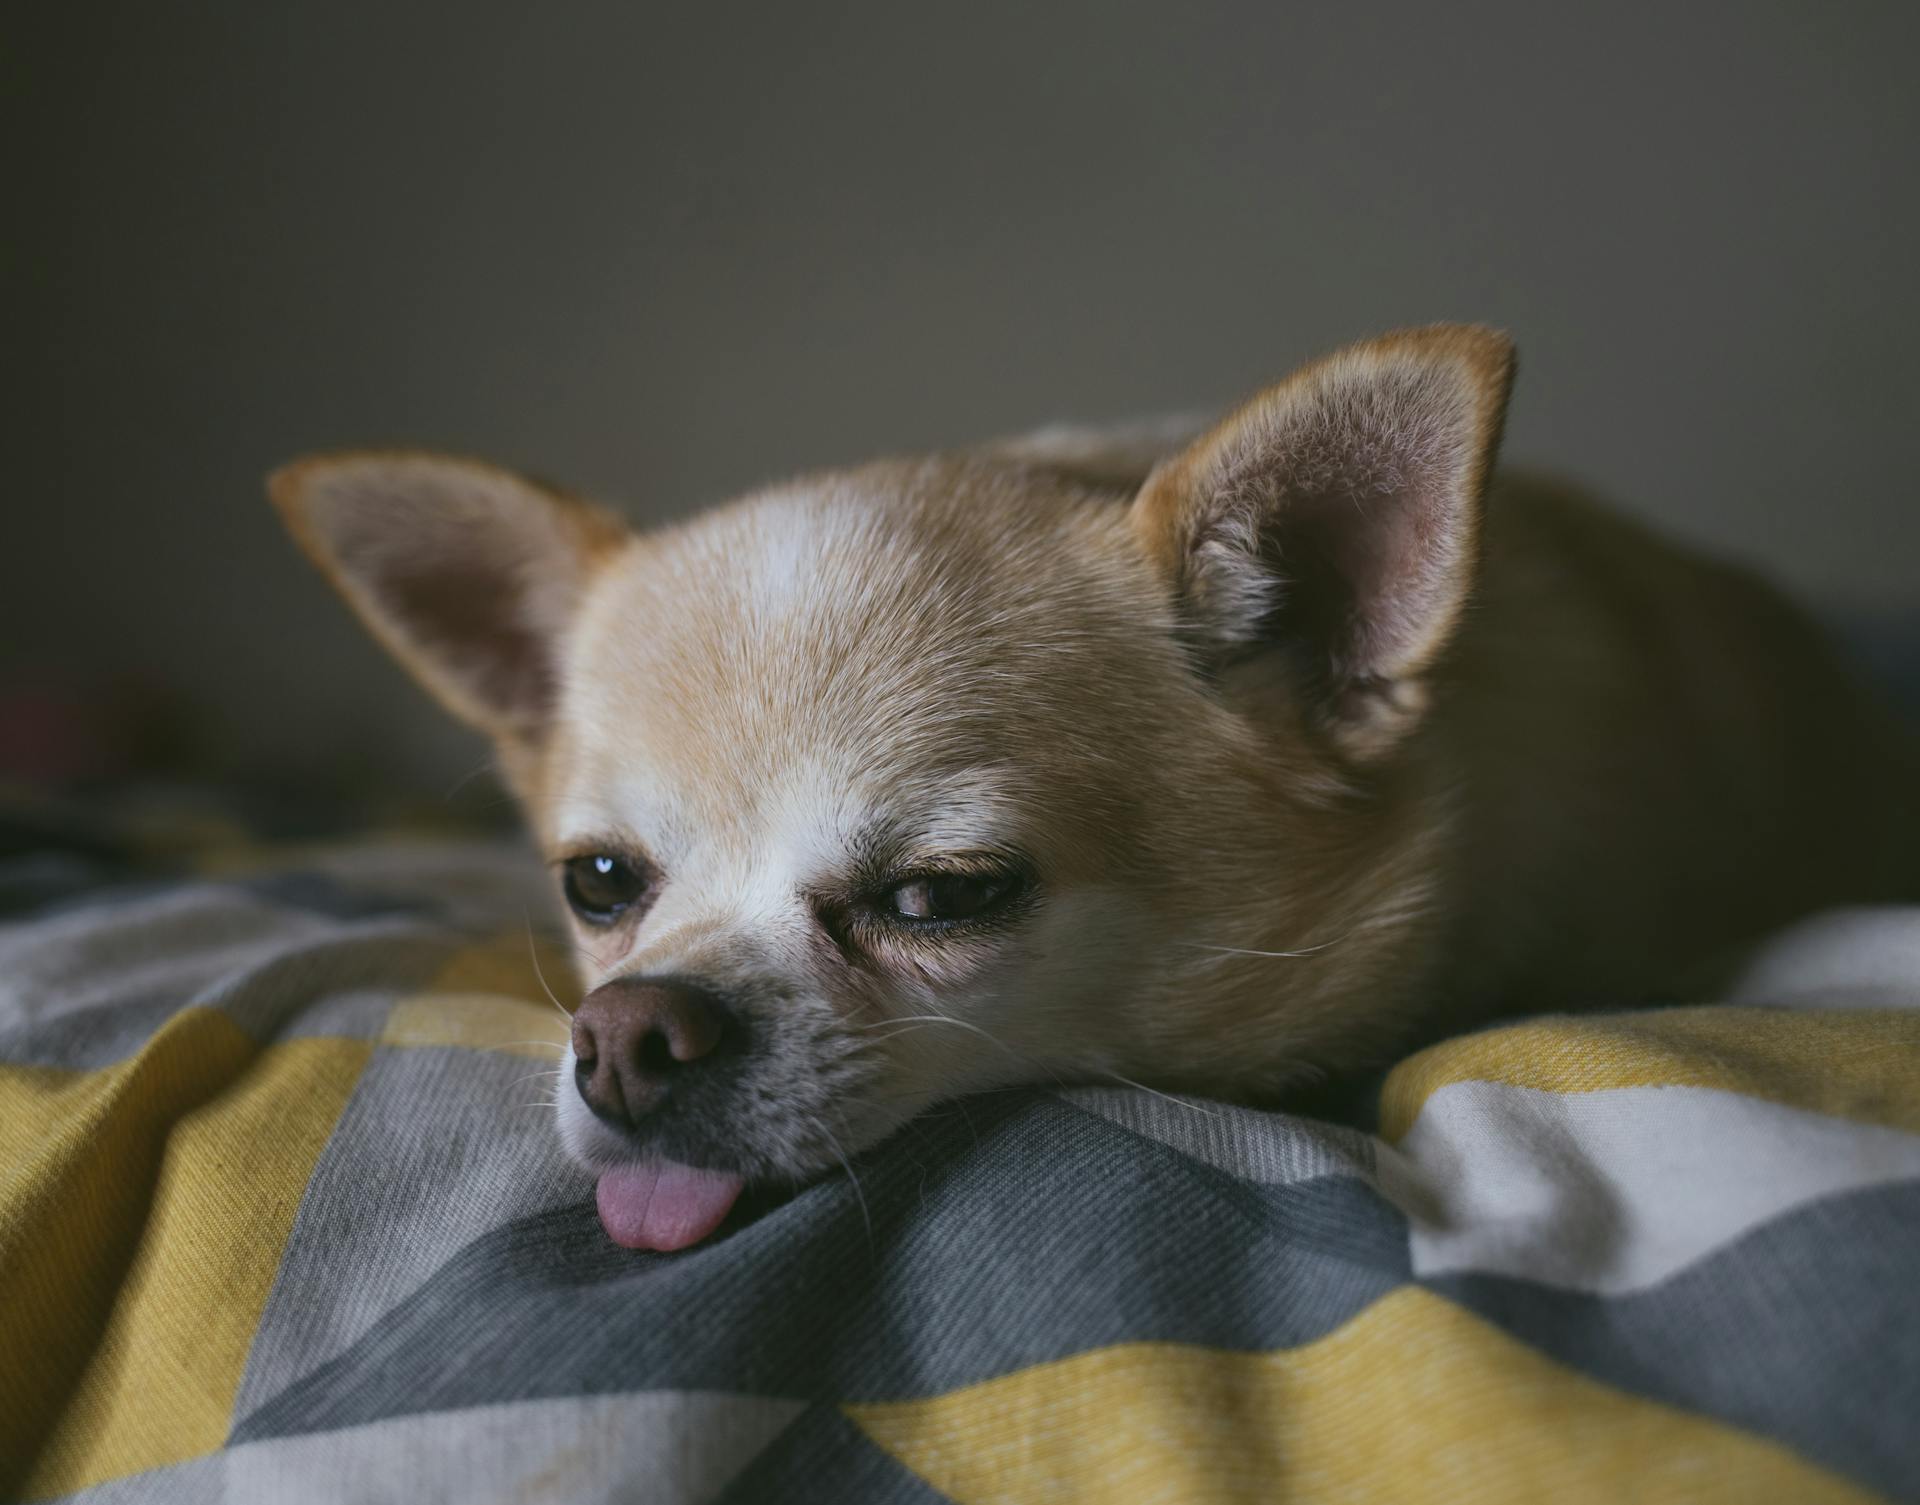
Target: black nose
column 634, row 1039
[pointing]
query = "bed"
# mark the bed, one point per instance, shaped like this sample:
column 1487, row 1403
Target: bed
column 282, row 1218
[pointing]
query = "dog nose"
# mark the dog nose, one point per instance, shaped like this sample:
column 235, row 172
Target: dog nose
column 632, row 1040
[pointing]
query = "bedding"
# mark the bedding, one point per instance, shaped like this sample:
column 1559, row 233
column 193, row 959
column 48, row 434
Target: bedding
column 282, row 1218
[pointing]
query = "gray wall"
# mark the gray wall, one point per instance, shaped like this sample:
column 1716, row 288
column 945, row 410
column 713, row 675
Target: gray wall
column 663, row 256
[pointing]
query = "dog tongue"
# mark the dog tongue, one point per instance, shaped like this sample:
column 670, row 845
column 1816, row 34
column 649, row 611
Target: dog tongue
column 664, row 1206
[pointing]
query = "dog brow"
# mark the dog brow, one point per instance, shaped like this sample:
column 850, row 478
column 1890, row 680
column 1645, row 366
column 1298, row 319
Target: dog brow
column 949, row 835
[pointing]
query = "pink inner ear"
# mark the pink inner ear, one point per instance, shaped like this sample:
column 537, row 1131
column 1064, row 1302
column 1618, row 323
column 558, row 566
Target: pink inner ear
column 474, row 625
column 1361, row 495
column 468, row 573
column 1367, row 572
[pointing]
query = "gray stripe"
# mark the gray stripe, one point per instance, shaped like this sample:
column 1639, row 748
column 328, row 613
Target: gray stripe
column 319, row 951
column 1035, row 1232
column 1807, row 1330
column 86, row 992
column 435, row 1147
column 824, row 1459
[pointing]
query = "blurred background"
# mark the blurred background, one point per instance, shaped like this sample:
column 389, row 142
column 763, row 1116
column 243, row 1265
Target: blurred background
column 663, row 255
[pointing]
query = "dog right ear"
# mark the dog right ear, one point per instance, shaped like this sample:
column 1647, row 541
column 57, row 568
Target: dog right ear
column 469, row 574
column 1337, row 516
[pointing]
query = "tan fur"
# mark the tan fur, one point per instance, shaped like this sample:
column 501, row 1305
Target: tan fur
column 410, row 503
column 1539, row 757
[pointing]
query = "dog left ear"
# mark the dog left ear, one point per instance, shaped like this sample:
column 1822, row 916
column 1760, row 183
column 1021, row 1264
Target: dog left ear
column 1337, row 516
column 468, row 573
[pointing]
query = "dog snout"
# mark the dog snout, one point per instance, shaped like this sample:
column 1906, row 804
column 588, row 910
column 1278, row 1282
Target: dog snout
column 636, row 1039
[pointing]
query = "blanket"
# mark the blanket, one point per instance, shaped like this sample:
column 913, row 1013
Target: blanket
column 283, row 1218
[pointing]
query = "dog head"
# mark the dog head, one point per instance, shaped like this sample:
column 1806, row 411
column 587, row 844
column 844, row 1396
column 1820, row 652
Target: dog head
column 900, row 782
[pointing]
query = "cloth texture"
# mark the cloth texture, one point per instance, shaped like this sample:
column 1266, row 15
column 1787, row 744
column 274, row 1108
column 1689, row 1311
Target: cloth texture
column 283, row 1218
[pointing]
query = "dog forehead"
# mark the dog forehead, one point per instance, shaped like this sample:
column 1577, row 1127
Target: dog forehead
column 842, row 649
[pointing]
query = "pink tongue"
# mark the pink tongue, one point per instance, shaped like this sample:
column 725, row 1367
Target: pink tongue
column 664, row 1206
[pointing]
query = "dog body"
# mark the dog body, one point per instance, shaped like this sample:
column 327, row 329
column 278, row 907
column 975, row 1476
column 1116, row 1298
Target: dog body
column 1214, row 765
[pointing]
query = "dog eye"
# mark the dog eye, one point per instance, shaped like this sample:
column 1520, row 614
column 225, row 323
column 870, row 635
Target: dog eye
column 934, row 897
column 600, row 888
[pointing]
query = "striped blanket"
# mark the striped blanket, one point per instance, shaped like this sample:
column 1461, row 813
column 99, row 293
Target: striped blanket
column 282, row 1218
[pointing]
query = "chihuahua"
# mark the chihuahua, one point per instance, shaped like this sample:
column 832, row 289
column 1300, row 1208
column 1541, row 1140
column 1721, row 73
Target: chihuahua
column 1214, row 762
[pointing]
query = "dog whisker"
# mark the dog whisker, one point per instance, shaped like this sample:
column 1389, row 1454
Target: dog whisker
column 859, row 1193
column 485, row 765
column 1249, row 951
column 1127, row 1081
column 876, row 1034
column 969, row 1026
column 533, row 954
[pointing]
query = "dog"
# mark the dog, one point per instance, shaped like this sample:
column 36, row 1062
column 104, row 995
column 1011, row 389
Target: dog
column 1214, row 762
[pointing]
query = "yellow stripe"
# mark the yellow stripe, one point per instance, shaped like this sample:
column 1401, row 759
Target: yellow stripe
column 1861, row 1064
column 1414, row 1400
column 143, row 1212
column 500, row 995
column 512, row 965
column 477, row 1021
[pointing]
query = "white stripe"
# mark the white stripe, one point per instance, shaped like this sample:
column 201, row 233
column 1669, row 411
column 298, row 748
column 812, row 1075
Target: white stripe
column 663, row 1447
column 1843, row 959
column 1269, row 1148
column 1612, row 1191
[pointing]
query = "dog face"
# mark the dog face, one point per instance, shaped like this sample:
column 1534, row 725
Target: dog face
column 938, row 775
column 824, row 736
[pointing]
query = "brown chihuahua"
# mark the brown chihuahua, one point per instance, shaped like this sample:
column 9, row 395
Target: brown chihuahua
column 1215, row 765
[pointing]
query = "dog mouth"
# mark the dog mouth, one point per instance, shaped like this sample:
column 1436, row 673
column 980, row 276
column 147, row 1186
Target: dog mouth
column 670, row 1164
column 663, row 1205
column 670, row 1184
